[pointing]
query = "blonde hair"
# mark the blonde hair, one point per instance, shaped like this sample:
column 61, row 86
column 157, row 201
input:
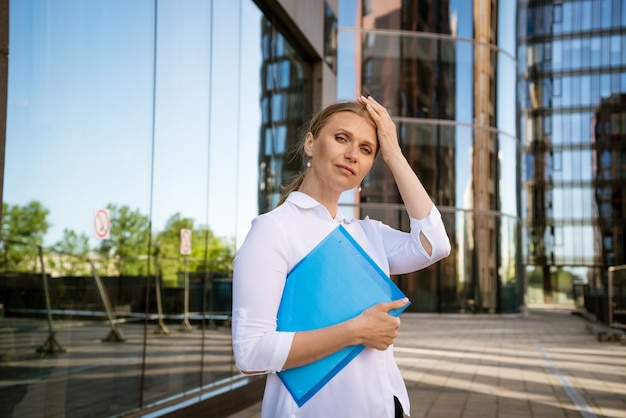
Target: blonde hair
column 315, row 126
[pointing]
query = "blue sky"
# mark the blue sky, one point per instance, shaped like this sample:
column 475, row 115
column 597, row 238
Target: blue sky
column 80, row 106
column 80, row 116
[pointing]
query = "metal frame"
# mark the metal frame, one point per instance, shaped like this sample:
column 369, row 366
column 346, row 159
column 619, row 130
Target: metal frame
column 610, row 336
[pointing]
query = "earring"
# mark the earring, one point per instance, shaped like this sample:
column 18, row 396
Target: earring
column 358, row 189
column 308, row 164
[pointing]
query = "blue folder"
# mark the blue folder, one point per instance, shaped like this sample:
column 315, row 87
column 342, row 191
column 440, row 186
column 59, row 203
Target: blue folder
column 336, row 281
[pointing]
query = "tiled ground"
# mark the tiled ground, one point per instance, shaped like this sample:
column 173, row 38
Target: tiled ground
column 544, row 364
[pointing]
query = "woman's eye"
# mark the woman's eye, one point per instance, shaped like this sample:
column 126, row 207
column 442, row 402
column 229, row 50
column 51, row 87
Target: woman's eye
column 340, row 138
column 366, row 150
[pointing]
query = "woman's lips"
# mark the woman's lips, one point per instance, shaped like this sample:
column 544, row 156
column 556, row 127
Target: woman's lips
column 345, row 168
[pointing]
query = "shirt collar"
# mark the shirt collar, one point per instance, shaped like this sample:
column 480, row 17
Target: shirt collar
column 305, row 201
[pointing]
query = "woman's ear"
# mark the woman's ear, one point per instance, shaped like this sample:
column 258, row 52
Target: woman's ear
column 308, row 144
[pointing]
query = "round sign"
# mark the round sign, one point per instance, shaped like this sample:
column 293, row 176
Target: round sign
column 102, row 224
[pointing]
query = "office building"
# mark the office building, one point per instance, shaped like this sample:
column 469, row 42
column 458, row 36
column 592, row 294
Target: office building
column 446, row 72
column 571, row 84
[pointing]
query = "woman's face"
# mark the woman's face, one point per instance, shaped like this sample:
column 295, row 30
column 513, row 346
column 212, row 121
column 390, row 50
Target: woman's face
column 343, row 152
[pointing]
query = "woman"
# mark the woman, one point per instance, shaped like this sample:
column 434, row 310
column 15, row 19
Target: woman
column 339, row 147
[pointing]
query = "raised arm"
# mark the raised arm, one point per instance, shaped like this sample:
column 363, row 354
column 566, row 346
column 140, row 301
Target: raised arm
column 416, row 200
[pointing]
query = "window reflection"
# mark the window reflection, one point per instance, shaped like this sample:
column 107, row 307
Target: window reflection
column 130, row 140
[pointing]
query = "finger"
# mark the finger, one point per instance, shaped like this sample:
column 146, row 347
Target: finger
column 370, row 102
column 395, row 304
column 376, row 105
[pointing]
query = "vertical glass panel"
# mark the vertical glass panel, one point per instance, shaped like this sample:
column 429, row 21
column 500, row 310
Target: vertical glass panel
column 568, row 17
column 511, row 289
column 508, row 180
column 606, row 14
column 78, row 167
column 463, row 167
column 576, row 53
column 464, row 82
column 585, row 23
column 557, row 55
column 506, row 90
column 616, row 50
column 283, row 113
column 557, row 129
column 506, row 21
column 390, row 67
column 119, row 123
column 346, row 59
column 180, row 183
column 460, row 13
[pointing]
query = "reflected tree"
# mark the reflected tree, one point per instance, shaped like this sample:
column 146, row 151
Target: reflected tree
column 73, row 250
column 127, row 248
column 208, row 252
column 23, row 229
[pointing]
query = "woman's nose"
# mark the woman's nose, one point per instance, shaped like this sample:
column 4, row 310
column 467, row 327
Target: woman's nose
column 351, row 153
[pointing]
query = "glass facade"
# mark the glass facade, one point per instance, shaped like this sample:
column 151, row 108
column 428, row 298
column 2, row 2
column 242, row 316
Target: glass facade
column 142, row 138
column 446, row 72
column 571, row 86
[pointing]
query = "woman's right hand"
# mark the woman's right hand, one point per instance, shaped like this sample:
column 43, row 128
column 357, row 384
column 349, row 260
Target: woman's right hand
column 376, row 327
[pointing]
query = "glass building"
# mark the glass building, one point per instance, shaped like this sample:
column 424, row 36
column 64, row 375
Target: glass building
column 571, row 84
column 446, row 71
column 142, row 137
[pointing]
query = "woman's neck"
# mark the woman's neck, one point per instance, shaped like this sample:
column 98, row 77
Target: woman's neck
column 327, row 198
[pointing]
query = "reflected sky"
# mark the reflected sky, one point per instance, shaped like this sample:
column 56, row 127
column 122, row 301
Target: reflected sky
column 80, row 129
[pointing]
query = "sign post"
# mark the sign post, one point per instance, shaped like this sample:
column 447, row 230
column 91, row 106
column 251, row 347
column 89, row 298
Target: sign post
column 185, row 250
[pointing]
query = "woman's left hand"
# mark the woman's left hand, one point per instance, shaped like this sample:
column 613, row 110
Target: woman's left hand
column 385, row 128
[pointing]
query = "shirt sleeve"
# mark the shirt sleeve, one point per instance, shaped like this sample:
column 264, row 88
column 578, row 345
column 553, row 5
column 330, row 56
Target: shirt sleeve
column 260, row 270
column 405, row 251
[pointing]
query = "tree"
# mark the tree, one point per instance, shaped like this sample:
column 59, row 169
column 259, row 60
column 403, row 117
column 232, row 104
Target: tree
column 23, row 230
column 127, row 247
column 169, row 261
column 73, row 250
column 208, row 252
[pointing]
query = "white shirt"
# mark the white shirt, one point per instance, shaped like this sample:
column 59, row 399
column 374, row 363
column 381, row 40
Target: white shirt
column 276, row 242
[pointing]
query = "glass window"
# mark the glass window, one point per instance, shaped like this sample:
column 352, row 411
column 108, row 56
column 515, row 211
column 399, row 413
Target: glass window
column 506, row 21
column 330, row 38
column 557, row 13
column 596, row 52
column 505, row 89
column 557, row 55
column 616, row 50
column 557, row 135
column 463, row 167
column 606, row 14
column 605, row 86
column 131, row 124
column 567, row 17
column 605, row 42
column 576, row 53
column 508, row 158
column 459, row 10
column 585, row 23
column 556, row 87
column 566, row 91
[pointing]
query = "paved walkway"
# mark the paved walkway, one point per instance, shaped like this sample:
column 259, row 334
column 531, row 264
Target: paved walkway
column 544, row 364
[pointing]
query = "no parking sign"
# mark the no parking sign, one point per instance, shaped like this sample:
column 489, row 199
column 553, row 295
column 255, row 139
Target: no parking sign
column 102, row 224
column 185, row 241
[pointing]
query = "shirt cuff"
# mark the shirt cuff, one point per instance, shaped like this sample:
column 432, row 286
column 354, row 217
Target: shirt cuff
column 431, row 221
column 281, row 351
